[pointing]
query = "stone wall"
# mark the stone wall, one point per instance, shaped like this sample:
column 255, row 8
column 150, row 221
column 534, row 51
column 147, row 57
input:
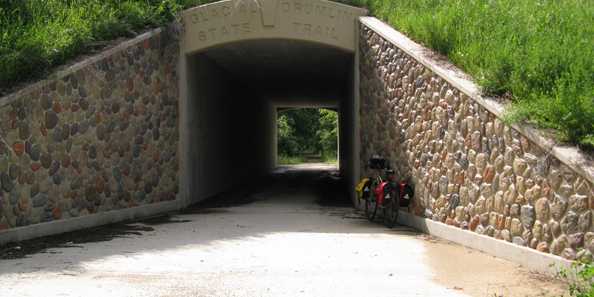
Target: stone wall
column 469, row 169
column 99, row 136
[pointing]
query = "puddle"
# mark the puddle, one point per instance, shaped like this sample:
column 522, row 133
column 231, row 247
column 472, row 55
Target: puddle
column 18, row 250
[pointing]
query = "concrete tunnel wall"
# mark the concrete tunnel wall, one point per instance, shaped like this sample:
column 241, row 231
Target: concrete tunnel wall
column 231, row 131
column 232, row 108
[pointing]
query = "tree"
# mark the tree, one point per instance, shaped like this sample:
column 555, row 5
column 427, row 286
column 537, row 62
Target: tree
column 307, row 131
column 328, row 132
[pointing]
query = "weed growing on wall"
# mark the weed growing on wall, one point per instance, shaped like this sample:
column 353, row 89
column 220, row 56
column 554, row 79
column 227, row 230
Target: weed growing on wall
column 583, row 283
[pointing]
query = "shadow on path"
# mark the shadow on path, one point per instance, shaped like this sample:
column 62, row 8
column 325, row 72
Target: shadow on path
column 303, row 195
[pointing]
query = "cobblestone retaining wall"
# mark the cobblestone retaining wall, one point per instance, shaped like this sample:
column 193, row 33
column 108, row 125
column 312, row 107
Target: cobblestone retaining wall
column 100, row 136
column 469, row 169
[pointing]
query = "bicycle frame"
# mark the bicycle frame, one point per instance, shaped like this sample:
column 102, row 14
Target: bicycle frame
column 381, row 186
column 377, row 186
column 383, row 191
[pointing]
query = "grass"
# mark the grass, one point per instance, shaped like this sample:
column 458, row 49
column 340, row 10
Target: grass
column 290, row 160
column 539, row 53
column 582, row 285
column 38, row 35
column 330, row 160
column 294, row 160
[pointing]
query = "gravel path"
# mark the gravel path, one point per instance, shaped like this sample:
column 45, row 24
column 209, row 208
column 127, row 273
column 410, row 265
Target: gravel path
column 283, row 242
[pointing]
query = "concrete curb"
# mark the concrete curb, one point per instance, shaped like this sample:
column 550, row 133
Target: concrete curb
column 531, row 259
column 62, row 226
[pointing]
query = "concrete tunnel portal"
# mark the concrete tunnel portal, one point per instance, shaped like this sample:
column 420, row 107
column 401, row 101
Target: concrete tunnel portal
column 242, row 61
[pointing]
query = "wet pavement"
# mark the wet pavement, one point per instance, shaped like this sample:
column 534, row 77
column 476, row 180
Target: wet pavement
column 291, row 235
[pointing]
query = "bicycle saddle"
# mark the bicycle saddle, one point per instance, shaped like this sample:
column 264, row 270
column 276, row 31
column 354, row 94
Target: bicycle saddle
column 377, row 162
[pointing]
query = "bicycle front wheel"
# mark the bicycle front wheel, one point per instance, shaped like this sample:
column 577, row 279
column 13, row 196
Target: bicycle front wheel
column 370, row 207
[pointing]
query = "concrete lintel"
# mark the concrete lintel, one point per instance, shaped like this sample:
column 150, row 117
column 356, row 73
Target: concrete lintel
column 569, row 155
column 226, row 21
column 531, row 259
column 88, row 221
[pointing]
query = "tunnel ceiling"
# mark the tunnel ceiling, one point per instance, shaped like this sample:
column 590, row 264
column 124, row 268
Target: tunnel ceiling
column 287, row 67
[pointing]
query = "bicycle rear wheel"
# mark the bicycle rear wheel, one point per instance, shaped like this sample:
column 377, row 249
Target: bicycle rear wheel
column 391, row 208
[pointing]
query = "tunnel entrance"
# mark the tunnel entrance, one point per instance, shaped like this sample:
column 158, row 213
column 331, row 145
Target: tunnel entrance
column 307, row 136
column 232, row 86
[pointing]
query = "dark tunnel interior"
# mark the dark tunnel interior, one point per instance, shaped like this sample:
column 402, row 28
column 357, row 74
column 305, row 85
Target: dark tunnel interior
column 234, row 92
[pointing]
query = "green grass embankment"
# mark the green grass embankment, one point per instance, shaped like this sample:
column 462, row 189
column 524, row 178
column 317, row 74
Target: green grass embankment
column 539, row 53
column 38, row 35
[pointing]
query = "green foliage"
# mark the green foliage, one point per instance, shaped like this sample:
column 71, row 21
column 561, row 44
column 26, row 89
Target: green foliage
column 539, row 53
column 583, row 283
column 297, row 129
column 287, row 140
column 328, row 133
column 290, row 160
column 307, row 131
column 37, row 35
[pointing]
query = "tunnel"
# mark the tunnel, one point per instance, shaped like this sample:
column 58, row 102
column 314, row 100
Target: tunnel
column 242, row 62
column 235, row 92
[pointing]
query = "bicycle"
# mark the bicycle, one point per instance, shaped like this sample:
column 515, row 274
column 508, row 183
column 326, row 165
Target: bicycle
column 383, row 192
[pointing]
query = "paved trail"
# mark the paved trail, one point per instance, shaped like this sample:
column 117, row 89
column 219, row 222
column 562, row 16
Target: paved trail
column 281, row 244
